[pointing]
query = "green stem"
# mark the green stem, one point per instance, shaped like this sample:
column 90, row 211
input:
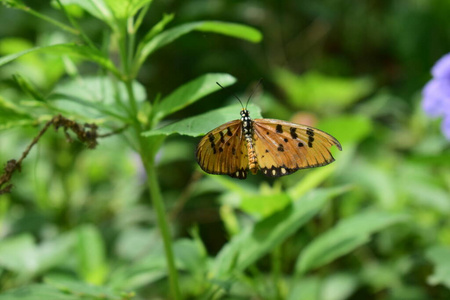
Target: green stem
column 158, row 205
column 50, row 20
column 76, row 25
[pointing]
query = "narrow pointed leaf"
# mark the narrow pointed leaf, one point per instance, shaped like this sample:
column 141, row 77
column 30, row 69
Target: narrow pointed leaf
column 191, row 92
column 231, row 29
column 344, row 238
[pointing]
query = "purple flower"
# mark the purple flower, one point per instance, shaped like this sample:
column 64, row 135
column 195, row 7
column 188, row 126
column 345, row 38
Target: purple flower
column 436, row 93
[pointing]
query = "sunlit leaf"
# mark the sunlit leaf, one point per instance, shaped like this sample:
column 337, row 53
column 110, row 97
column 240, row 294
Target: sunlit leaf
column 440, row 257
column 124, row 9
column 91, row 255
column 95, row 96
column 201, row 124
column 97, row 8
column 347, row 128
column 67, row 49
column 349, row 234
column 231, row 29
column 191, row 92
column 18, row 254
column 264, row 205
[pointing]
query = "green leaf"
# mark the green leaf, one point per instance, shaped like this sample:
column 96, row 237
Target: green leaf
column 67, row 49
column 56, row 251
column 311, row 180
column 28, row 88
column 347, row 128
column 95, row 96
column 146, row 47
column 37, row 292
column 97, row 8
column 253, row 242
column 18, row 254
column 264, row 205
column 125, row 9
column 201, row 124
column 305, row 289
column 314, row 91
column 91, row 255
column 190, row 92
column 72, row 286
column 344, row 238
column 11, row 115
column 440, row 257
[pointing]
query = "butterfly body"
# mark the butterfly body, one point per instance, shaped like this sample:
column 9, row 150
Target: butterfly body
column 275, row 147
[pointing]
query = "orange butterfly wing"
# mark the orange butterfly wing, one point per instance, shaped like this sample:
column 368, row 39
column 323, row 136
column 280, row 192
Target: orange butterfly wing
column 283, row 148
column 223, row 151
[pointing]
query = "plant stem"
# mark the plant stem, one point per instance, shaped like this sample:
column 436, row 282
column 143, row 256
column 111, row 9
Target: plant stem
column 50, row 20
column 158, row 205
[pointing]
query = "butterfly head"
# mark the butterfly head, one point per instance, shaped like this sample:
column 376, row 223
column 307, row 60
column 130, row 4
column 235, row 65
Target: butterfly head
column 245, row 115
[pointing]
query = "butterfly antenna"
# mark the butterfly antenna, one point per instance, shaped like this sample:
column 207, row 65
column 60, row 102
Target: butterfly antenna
column 253, row 92
column 233, row 95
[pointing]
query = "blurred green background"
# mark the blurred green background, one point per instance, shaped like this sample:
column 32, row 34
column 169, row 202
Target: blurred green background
column 354, row 69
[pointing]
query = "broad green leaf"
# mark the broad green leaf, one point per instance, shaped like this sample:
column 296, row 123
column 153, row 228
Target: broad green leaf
column 37, row 292
column 307, row 288
column 344, row 238
column 124, row 9
column 347, row 128
column 91, row 255
column 56, row 251
column 339, row 286
column 231, row 29
column 95, row 96
column 315, row 91
column 254, row 242
column 97, row 8
column 18, row 254
column 190, row 92
column 72, row 286
column 201, row 124
column 440, row 258
column 67, row 49
column 264, row 205
column 189, row 256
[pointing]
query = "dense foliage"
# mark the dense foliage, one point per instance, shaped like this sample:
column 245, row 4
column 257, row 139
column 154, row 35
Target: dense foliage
column 136, row 218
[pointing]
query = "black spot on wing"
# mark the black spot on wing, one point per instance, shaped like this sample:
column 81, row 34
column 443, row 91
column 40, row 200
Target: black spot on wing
column 229, row 133
column 293, row 133
column 280, row 148
column 279, row 129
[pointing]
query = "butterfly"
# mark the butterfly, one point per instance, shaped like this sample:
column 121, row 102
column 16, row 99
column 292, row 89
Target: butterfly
column 274, row 147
